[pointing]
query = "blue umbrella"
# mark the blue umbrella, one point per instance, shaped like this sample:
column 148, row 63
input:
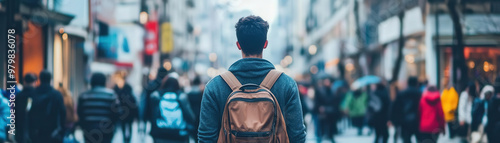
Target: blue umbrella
column 371, row 79
column 364, row 81
column 337, row 84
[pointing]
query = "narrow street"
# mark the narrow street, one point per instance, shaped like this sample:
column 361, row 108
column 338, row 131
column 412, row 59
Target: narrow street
column 349, row 135
column 85, row 65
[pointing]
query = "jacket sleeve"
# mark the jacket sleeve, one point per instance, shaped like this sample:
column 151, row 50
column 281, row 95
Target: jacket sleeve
column 293, row 117
column 149, row 89
column 493, row 111
column 461, row 107
column 188, row 112
column 117, row 109
column 210, row 116
column 453, row 99
column 441, row 119
column 79, row 109
column 395, row 110
column 62, row 113
column 347, row 101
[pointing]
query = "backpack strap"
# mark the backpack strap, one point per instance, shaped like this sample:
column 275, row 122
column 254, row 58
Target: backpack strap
column 231, row 80
column 270, row 79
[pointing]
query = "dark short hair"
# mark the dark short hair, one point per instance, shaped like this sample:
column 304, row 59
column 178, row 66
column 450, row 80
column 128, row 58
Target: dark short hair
column 380, row 86
column 497, row 84
column 45, row 76
column 251, row 32
column 29, row 78
column 412, row 81
column 98, row 79
column 196, row 80
column 170, row 84
column 472, row 89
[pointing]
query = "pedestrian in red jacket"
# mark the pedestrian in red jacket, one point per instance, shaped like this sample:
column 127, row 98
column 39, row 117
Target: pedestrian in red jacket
column 431, row 115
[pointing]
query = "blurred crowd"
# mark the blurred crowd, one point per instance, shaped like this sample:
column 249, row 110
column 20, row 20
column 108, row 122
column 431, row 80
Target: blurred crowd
column 47, row 113
column 44, row 112
column 420, row 111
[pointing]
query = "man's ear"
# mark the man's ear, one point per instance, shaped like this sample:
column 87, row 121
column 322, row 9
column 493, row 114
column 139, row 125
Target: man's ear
column 238, row 44
column 265, row 45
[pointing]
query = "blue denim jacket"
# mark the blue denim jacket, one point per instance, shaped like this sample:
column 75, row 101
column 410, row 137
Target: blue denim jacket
column 250, row 70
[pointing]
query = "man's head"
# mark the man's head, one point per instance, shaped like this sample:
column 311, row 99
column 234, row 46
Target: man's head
column 251, row 32
column 45, row 77
column 30, row 79
column 170, row 84
column 98, row 79
column 472, row 89
column 413, row 81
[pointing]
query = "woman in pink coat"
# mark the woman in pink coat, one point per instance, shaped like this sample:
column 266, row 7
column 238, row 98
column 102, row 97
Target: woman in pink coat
column 431, row 115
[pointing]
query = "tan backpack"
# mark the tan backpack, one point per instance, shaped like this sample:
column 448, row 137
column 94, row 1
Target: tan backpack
column 252, row 113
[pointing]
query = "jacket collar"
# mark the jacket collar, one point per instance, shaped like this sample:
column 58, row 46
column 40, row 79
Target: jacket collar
column 251, row 64
column 251, row 68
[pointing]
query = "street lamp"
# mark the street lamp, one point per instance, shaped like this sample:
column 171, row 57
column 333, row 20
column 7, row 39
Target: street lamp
column 65, row 36
column 313, row 49
column 471, row 64
column 212, row 57
column 486, row 66
column 143, row 17
column 288, row 59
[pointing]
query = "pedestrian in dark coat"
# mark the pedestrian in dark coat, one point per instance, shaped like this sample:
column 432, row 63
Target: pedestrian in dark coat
column 21, row 104
column 47, row 114
column 98, row 110
column 404, row 110
column 492, row 128
column 378, row 112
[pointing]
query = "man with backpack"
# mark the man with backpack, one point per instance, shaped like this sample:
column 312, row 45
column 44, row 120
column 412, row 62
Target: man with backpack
column 98, row 110
column 47, row 114
column 252, row 102
column 404, row 111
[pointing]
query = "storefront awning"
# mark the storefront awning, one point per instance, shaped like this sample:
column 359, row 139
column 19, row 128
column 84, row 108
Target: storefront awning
column 43, row 15
column 473, row 40
column 474, row 24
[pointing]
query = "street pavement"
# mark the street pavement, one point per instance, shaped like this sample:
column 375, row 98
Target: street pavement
column 348, row 135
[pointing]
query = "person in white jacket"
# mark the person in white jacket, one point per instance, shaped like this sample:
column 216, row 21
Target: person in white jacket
column 465, row 108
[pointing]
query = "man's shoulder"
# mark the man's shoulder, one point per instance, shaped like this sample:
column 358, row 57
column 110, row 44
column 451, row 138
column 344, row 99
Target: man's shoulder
column 286, row 79
column 215, row 82
column 54, row 93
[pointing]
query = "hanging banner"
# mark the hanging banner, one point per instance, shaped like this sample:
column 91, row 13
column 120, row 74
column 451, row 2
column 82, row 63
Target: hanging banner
column 151, row 38
column 167, row 38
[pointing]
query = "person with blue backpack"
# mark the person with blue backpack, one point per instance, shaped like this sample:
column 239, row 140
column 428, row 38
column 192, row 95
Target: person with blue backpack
column 171, row 115
column 4, row 112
